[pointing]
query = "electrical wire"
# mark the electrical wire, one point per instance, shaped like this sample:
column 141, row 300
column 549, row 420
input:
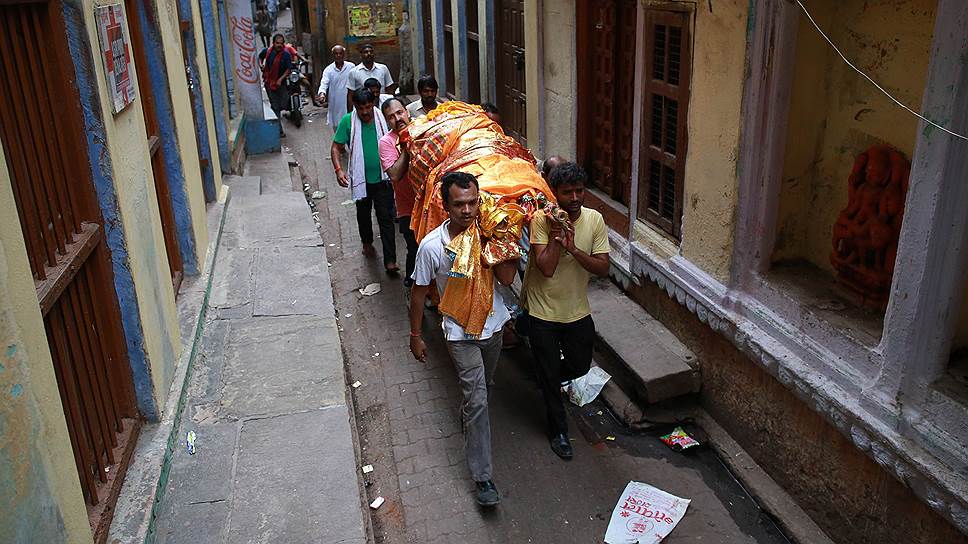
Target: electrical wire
column 868, row 78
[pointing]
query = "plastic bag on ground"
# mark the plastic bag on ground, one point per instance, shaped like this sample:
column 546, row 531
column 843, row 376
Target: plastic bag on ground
column 583, row 390
column 644, row 515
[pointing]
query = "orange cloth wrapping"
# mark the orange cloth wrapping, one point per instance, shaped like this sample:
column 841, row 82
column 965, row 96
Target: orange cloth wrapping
column 459, row 137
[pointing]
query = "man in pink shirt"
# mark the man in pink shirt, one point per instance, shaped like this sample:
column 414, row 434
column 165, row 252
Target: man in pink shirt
column 395, row 160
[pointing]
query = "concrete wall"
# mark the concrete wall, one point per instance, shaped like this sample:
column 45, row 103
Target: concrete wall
column 138, row 209
column 184, row 122
column 835, row 114
column 833, row 481
column 39, row 487
column 560, row 95
column 204, row 68
column 387, row 48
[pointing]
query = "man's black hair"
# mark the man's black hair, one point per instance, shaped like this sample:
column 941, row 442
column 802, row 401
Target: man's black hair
column 372, row 82
column 460, row 179
column 390, row 100
column 490, row 108
column 548, row 163
column 367, row 46
column 362, row 96
column 567, row 173
column 278, row 35
column 427, row 81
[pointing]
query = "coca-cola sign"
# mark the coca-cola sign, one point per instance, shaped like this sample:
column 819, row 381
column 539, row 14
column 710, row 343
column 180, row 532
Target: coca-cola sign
column 245, row 57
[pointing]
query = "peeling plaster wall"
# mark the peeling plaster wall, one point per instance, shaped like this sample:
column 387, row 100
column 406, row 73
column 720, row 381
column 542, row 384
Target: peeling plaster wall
column 201, row 57
column 138, row 210
column 39, row 487
column 835, row 114
column 184, row 123
column 715, row 103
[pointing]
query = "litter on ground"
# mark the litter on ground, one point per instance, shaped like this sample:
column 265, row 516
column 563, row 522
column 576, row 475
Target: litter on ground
column 367, row 469
column 370, row 290
column 583, row 390
column 377, row 502
column 356, row 384
column 644, row 515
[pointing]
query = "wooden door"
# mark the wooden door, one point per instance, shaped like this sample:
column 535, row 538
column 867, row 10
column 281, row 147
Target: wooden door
column 153, row 130
column 511, row 87
column 44, row 142
column 428, row 38
column 473, row 92
column 606, row 74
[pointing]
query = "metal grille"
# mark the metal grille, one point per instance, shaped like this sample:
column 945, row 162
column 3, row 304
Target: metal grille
column 667, row 94
column 65, row 243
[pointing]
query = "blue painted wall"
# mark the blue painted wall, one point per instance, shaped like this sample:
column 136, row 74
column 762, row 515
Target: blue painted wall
column 210, row 27
column 158, row 75
column 201, row 121
column 227, row 59
column 102, row 176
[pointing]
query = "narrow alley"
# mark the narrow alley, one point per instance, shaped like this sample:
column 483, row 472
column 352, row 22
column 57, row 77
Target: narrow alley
column 749, row 214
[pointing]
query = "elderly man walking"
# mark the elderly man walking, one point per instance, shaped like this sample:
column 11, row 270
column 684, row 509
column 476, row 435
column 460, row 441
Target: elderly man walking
column 555, row 294
column 332, row 84
column 361, row 130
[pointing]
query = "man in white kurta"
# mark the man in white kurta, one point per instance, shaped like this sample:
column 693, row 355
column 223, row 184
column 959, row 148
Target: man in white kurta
column 332, row 85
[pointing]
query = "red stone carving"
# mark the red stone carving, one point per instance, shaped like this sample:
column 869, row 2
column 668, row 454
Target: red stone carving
column 866, row 231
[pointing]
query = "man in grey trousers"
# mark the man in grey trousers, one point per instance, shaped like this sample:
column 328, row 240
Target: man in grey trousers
column 475, row 357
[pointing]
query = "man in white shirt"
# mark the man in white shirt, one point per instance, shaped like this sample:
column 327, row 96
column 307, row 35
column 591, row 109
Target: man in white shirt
column 475, row 358
column 364, row 71
column 334, row 80
column 427, row 87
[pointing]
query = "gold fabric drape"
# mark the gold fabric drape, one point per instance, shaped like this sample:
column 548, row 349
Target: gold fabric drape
column 458, row 137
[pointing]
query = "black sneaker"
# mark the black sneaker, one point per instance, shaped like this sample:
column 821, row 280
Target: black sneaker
column 487, row 494
column 562, row 447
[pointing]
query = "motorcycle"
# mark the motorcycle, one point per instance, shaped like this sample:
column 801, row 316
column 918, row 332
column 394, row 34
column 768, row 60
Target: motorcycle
column 294, row 85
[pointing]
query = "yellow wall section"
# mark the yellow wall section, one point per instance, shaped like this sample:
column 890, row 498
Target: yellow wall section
column 33, row 433
column 137, row 203
column 184, row 122
column 835, row 114
column 709, row 201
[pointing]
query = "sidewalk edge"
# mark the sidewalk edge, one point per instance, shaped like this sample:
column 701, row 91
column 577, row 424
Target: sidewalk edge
column 144, row 485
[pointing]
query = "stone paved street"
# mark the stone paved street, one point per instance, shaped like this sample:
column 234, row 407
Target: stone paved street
column 407, row 412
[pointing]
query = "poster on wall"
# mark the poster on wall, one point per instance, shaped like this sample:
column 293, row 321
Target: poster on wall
column 112, row 32
column 372, row 20
column 245, row 63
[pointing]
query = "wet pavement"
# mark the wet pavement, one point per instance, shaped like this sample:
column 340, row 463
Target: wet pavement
column 407, row 420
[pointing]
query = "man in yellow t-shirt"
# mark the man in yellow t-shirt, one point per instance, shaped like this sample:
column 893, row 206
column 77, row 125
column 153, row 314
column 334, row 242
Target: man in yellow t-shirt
column 556, row 294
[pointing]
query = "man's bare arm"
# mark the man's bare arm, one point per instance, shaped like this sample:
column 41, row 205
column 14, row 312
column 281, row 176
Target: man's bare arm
column 336, row 155
column 399, row 168
column 504, row 271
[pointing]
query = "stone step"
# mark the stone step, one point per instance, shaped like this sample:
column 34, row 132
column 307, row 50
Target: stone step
column 274, row 171
column 644, row 357
column 243, row 186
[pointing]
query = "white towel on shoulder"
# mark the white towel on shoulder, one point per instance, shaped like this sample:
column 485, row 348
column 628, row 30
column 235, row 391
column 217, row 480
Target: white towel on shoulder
column 357, row 163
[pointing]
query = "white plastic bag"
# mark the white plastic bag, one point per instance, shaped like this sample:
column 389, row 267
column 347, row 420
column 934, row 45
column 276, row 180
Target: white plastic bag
column 644, row 515
column 583, row 390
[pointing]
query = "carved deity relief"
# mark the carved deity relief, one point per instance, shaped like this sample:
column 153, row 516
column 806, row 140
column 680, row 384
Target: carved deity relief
column 866, row 232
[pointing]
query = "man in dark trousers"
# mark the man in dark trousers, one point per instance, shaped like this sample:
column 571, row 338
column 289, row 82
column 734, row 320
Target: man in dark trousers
column 556, row 294
column 275, row 70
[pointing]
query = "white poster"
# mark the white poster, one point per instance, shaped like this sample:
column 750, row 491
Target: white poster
column 644, row 515
column 112, row 32
column 245, row 55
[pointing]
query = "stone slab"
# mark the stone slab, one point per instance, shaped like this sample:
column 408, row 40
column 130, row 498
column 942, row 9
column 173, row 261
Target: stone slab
column 273, row 172
column 294, row 484
column 662, row 367
column 287, row 282
column 276, row 219
column 281, row 364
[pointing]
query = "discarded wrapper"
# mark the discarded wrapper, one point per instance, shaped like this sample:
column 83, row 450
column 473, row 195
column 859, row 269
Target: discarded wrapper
column 356, row 384
column 377, row 502
column 367, row 469
column 583, row 390
column 370, row 290
column 679, row 440
column 317, row 195
column 190, row 442
column 644, row 515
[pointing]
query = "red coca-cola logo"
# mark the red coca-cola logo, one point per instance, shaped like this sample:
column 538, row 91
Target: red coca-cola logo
column 247, row 63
